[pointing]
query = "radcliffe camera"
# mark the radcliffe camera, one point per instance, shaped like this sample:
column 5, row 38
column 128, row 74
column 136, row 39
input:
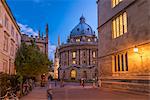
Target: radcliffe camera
column 74, row 50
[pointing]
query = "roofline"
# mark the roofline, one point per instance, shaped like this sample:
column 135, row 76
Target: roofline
column 8, row 10
column 81, row 35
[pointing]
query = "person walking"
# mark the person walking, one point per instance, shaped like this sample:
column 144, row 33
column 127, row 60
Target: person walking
column 82, row 82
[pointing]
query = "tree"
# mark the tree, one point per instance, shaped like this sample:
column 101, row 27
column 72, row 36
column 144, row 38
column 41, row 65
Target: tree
column 30, row 61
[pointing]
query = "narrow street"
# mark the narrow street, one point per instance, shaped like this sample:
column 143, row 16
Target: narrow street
column 72, row 91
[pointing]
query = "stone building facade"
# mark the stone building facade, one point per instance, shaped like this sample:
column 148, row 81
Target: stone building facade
column 78, row 57
column 56, row 64
column 10, row 39
column 124, row 44
column 56, row 61
column 40, row 41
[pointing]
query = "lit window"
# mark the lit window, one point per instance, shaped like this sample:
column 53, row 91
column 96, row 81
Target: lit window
column 121, row 62
column 73, row 73
column 74, row 55
column 77, row 40
column 94, row 54
column 119, row 25
column 94, row 62
column 125, row 21
column 115, row 2
column 114, row 28
column 73, row 62
column 89, row 40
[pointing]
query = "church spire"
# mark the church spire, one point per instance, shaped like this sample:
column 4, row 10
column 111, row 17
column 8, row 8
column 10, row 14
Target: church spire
column 58, row 40
column 39, row 33
column 47, row 30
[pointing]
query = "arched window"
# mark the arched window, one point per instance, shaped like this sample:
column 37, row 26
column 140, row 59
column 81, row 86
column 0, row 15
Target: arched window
column 73, row 74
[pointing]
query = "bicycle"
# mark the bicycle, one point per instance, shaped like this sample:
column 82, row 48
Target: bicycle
column 9, row 95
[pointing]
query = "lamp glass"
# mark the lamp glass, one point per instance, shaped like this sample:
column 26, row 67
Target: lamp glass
column 136, row 50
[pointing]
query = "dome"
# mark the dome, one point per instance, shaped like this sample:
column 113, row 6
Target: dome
column 82, row 29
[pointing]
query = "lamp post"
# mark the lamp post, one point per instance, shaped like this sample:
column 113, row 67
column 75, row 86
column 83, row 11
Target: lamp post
column 136, row 50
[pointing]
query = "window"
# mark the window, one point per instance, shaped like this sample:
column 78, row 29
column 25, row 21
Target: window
column 115, row 62
column 12, row 49
column 94, row 54
column 94, row 62
column 84, row 54
column 121, row 62
column 119, row 25
column 74, row 54
column 17, row 38
column 5, row 48
column 84, row 62
column 125, row 22
column 73, row 62
column 115, row 3
column 5, row 64
column 6, row 22
column 12, row 31
column 89, row 40
column 77, row 40
column 118, row 62
column 126, row 60
column 73, row 73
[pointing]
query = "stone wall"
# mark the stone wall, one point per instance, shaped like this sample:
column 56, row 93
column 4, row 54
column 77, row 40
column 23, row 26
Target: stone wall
column 138, row 35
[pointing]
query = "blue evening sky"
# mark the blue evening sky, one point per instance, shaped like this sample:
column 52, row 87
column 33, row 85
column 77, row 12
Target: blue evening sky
column 61, row 15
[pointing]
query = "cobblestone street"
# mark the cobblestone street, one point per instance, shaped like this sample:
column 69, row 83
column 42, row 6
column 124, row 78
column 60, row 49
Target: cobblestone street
column 73, row 91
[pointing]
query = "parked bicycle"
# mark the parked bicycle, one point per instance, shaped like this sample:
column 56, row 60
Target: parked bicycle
column 10, row 95
column 26, row 88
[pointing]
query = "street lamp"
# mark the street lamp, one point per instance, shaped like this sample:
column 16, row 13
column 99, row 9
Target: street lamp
column 136, row 50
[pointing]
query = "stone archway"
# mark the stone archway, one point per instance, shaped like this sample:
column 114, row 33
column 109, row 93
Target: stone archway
column 73, row 74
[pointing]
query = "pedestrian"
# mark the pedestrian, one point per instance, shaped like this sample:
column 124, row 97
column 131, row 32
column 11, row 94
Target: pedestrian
column 94, row 82
column 82, row 82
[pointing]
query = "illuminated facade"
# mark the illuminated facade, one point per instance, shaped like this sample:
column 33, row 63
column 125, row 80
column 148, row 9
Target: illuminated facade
column 78, row 57
column 56, row 63
column 10, row 39
column 124, row 44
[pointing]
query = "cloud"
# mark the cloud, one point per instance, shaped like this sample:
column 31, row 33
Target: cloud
column 25, row 29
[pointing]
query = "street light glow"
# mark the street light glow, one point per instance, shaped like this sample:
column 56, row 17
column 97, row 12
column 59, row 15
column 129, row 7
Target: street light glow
column 135, row 49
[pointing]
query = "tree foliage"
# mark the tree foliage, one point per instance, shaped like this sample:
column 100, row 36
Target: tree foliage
column 30, row 61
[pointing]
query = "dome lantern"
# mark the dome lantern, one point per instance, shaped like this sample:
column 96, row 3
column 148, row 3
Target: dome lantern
column 82, row 29
column 82, row 19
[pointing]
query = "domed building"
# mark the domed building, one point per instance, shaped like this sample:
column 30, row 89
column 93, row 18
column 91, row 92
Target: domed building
column 78, row 57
